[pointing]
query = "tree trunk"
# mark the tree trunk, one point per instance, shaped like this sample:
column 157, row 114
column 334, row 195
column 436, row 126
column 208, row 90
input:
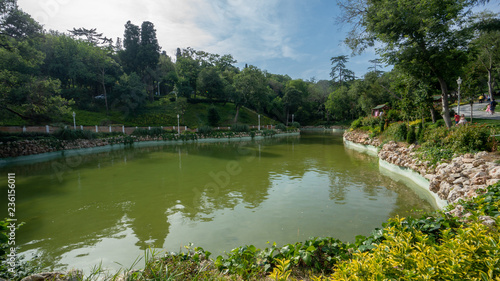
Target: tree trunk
column 490, row 84
column 237, row 112
column 444, row 97
column 105, row 92
column 433, row 115
column 15, row 112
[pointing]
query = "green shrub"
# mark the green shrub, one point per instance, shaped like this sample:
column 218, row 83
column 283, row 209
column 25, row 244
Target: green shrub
column 435, row 154
column 401, row 132
column 393, row 115
column 469, row 138
column 240, row 128
column 295, row 125
column 70, row 134
column 281, row 127
column 268, row 133
column 154, row 132
column 205, row 131
column 370, row 121
column 420, row 132
column 213, row 116
column 358, row 123
column 382, row 125
column 411, row 137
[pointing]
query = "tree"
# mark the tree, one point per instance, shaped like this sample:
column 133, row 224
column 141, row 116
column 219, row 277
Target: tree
column 91, row 36
column 210, row 83
column 15, row 24
column 187, row 71
column 149, row 51
column 129, row 94
column 338, row 104
column 23, row 93
column 339, row 71
column 376, row 63
column 131, row 45
column 251, row 89
column 292, row 99
column 487, row 46
column 167, row 73
column 213, row 116
column 419, row 36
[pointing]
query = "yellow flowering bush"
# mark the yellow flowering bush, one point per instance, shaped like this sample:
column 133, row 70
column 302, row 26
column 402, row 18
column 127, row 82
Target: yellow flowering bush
column 470, row 252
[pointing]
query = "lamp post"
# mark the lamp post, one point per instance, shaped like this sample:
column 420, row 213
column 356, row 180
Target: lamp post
column 74, row 120
column 292, row 118
column 259, row 122
column 459, row 82
column 178, row 128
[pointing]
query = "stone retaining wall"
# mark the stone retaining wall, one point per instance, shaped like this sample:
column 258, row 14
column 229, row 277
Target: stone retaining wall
column 461, row 178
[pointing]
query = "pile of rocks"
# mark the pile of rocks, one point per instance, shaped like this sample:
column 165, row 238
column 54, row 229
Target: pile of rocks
column 29, row 147
column 361, row 137
column 458, row 179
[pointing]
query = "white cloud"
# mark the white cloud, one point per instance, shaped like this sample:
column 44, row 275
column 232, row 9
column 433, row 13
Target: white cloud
column 265, row 33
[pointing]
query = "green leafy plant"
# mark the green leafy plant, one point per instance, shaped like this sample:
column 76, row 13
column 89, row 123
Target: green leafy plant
column 401, row 132
column 240, row 128
column 411, row 136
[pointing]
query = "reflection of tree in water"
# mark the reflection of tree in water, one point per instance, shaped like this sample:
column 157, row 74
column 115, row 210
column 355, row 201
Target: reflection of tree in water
column 365, row 169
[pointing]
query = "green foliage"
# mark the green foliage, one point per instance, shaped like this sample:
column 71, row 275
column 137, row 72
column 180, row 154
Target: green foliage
column 393, row 115
column 358, row 123
column 213, row 116
column 440, row 144
column 205, row 131
column 469, row 138
column 70, row 134
column 411, row 136
column 435, row 154
column 240, row 128
column 420, row 131
column 487, row 204
column 401, row 132
column 268, row 133
column 295, row 125
column 281, row 127
column 432, row 247
column 21, row 268
column 281, row 272
column 5, row 136
column 154, row 132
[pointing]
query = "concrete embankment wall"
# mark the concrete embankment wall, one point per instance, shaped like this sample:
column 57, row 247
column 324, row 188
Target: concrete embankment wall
column 33, row 158
column 402, row 174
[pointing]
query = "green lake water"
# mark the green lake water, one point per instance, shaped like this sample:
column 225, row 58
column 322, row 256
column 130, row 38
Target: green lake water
column 110, row 207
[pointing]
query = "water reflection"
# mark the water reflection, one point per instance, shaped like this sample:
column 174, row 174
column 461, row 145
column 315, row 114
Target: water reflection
column 111, row 206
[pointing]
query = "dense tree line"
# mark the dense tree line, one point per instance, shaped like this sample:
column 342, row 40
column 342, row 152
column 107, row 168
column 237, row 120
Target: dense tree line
column 44, row 74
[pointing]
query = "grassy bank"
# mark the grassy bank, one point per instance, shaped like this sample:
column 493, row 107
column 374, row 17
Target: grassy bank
column 158, row 113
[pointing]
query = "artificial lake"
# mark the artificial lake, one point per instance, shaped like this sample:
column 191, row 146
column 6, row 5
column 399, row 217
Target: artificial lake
column 110, row 207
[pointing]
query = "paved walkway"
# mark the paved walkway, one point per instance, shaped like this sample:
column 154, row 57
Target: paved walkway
column 478, row 111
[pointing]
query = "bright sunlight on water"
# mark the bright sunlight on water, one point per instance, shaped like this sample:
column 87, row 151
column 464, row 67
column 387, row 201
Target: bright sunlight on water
column 109, row 207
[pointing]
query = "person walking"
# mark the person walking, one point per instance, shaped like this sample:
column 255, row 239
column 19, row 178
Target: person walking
column 493, row 104
column 457, row 118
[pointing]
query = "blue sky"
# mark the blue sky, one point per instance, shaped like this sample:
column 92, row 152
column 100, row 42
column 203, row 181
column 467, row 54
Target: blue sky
column 293, row 37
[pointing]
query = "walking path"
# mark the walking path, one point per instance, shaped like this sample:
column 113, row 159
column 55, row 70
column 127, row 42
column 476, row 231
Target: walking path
column 478, row 111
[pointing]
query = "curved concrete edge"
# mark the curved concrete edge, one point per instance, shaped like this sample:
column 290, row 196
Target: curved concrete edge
column 368, row 149
column 409, row 177
column 35, row 158
column 421, row 183
column 334, row 130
